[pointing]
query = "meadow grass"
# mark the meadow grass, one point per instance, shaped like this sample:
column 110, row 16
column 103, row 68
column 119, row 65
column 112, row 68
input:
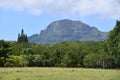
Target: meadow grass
column 58, row 74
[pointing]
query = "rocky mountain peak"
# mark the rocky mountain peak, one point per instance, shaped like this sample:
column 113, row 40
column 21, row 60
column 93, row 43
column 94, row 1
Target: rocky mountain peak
column 68, row 30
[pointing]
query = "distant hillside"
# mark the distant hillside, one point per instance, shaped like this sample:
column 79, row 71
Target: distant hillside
column 68, row 30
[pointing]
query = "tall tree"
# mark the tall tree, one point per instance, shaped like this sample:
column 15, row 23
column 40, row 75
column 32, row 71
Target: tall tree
column 4, row 49
column 22, row 37
column 113, row 43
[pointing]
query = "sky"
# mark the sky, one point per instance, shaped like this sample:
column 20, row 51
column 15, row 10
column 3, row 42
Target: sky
column 35, row 15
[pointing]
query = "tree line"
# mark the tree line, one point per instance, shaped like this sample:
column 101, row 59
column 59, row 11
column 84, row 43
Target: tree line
column 90, row 54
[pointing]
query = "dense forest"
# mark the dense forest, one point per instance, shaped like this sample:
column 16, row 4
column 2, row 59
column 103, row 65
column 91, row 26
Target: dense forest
column 105, row 54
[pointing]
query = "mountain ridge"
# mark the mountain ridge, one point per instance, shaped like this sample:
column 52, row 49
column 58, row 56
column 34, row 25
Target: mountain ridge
column 68, row 30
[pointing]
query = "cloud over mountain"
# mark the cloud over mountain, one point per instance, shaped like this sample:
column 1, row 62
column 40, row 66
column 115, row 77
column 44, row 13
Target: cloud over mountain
column 109, row 8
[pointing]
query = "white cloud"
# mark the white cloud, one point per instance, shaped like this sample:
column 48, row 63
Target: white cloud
column 108, row 8
column 12, row 4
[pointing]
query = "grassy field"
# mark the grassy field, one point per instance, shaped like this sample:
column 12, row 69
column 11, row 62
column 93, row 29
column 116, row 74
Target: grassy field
column 58, row 74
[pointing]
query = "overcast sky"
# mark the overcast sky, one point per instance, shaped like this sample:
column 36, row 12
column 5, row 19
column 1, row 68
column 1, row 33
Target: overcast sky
column 35, row 15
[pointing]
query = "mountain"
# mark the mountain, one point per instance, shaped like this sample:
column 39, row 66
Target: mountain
column 68, row 30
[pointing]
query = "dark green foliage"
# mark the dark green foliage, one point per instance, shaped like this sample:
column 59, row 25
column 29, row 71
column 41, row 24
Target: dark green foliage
column 4, row 51
column 22, row 37
column 113, row 43
column 64, row 54
column 21, row 48
column 114, row 40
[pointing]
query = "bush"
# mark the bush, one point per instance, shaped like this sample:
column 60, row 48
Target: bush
column 98, row 61
column 16, row 61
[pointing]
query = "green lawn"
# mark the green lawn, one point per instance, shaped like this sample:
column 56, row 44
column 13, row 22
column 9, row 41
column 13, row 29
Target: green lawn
column 58, row 74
